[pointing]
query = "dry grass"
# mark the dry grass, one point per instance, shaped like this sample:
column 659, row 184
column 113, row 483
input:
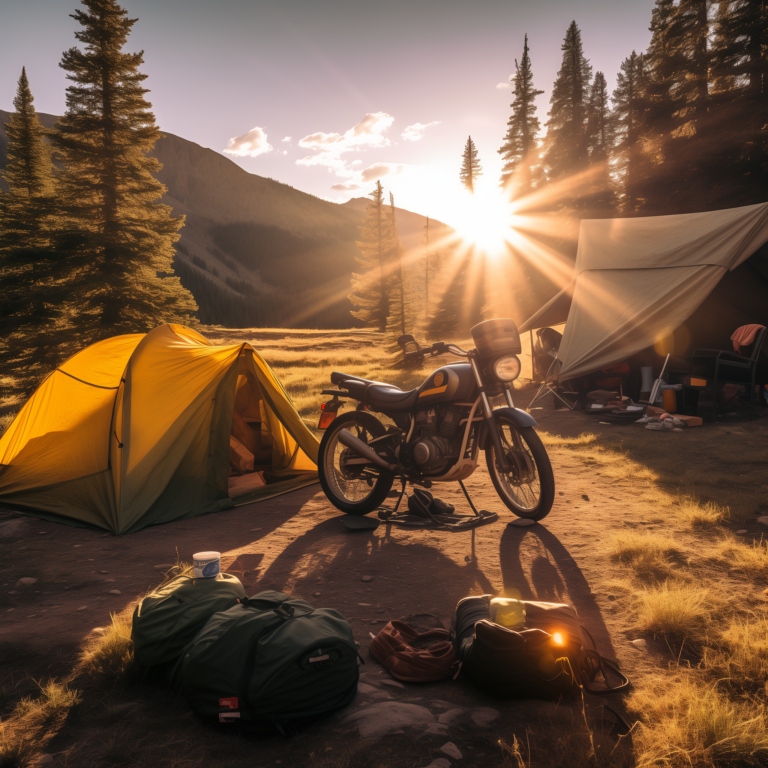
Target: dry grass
column 611, row 462
column 702, row 515
column 54, row 698
column 16, row 746
column 676, row 610
column 111, row 652
column 651, row 556
column 751, row 558
column 741, row 657
column 687, row 723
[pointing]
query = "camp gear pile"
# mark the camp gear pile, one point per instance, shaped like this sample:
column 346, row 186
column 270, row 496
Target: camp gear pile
column 412, row 656
column 544, row 658
column 270, row 663
column 139, row 429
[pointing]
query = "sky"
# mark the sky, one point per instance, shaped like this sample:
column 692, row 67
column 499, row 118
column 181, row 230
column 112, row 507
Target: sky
column 330, row 96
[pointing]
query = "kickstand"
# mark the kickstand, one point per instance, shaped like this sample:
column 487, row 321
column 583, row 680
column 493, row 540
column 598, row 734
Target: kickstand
column 477, row 514
column 386, row 514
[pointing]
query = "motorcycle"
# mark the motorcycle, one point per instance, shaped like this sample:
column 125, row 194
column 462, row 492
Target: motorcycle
column 437, row 430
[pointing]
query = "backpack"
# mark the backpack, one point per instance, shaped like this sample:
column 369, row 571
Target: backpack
column 546, row 660
column 394, row 648
column 167, row 619
column 270, row 663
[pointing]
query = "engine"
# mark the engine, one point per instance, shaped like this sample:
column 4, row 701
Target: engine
column 438, row 437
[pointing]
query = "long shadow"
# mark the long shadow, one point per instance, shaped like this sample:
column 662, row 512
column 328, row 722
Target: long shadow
column 408, row 575
column 535, row 565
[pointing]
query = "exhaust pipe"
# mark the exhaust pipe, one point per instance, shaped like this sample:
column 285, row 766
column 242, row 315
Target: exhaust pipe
column 348, row 439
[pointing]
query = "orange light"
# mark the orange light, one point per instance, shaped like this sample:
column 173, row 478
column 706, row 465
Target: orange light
column 326, row 418
column 557, row 639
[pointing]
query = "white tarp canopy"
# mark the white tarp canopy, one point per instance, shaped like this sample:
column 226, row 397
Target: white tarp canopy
column 637, row 280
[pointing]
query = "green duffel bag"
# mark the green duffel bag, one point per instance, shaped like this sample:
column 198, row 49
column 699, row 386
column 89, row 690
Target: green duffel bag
column 167, row 620
column 271, row 663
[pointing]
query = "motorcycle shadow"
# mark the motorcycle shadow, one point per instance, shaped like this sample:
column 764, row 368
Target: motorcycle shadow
column 535, row 565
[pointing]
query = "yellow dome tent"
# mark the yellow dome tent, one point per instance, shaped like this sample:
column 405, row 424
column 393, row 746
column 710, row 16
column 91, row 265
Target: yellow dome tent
column 137, row 430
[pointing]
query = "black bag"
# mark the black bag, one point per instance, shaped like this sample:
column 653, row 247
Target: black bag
column 546, row 660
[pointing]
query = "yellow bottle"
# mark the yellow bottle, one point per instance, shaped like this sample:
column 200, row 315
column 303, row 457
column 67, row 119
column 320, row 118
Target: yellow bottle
column 508, row 612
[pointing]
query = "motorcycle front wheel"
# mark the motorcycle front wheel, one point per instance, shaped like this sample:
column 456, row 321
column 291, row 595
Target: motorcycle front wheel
column 353, row 488
column 528, row 488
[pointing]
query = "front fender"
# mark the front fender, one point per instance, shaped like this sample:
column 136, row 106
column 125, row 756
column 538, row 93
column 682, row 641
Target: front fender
column 517, row 416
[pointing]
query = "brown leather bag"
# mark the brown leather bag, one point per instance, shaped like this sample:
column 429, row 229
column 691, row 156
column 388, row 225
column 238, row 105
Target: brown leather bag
column 394, row 648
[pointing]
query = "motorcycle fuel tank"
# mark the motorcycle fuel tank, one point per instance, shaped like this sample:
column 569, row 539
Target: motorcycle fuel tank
column 451, row 383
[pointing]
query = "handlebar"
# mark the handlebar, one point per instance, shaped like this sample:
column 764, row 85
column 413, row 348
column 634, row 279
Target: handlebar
column 412, row 350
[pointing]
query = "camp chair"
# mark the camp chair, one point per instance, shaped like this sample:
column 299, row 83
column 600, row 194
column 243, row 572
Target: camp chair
column 721, row 366
column 545, row 345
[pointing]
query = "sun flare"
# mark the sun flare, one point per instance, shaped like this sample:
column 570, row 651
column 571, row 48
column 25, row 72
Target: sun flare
column 483, row 220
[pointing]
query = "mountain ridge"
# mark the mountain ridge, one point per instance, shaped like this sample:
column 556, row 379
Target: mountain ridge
column 254, row 251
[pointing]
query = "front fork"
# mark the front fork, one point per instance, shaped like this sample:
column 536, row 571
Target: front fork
column 493, row 433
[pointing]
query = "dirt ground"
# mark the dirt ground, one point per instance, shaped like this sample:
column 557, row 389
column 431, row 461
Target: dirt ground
column 296, row 543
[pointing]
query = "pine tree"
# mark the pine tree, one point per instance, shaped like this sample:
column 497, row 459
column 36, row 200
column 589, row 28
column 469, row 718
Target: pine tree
column 471, row 170
column 566, row 152
column 600, row 139
column 739, row 73
column 431, row 269
column 629, row 106
column 370, row 295
column 397, row 322
column 520, row 148
column 30, row 281
column 108, row 191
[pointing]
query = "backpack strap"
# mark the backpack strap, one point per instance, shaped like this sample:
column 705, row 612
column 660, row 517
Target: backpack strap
column 591, row 663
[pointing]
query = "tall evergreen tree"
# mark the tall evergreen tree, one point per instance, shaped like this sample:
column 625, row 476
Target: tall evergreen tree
column 30, row 281
column 397, row 322
column 370, row 295
column 739, row 73
column 600, row 139
column 108, row 193
column 566, row 147
column 629, row 109
column 471, row 170
column 520, row 150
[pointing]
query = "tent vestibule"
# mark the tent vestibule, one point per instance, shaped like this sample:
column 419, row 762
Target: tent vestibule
column 137, row 430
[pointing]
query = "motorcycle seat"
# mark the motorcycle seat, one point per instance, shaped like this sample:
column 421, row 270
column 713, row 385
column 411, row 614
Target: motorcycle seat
column 385, row 397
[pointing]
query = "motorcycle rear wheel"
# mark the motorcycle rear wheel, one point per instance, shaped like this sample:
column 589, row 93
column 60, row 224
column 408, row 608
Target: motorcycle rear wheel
column 528, row 489
column 352, row 490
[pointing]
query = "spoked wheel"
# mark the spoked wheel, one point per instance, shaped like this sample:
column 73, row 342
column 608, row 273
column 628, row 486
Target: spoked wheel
column 528, row 488
column 352, row 485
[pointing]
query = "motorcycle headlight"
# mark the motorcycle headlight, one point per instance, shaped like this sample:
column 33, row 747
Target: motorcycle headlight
column 507, row 368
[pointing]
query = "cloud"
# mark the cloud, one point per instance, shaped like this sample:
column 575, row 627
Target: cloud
column 378, row 170
column 287, row 139
column 345, row 187
column 251, row 144
column 503, row 85
column 367, row 134
column 415, row 132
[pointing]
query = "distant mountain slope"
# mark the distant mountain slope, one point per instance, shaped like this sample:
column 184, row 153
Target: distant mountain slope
column 253, row 251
